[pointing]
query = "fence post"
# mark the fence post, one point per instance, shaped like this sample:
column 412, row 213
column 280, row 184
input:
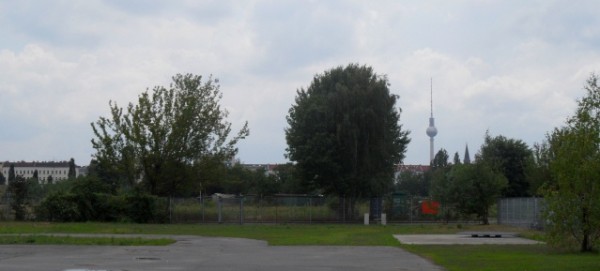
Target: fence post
column 170, row 210
column 202, row 202
column 220, row 207
column 344, row 209
column 309, row 210
column 260, row 214
column 410, row 209
column 241, row 210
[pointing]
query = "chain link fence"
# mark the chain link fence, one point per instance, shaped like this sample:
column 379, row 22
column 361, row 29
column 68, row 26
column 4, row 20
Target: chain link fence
column 521, row 212
column 220, row 208
column 279, row 209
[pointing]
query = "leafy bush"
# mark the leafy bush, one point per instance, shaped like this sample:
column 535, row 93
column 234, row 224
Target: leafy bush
column 89, row 199
column 144, row 208
column 58, row 206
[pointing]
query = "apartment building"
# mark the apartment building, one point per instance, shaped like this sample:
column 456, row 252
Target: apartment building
column 58, row 170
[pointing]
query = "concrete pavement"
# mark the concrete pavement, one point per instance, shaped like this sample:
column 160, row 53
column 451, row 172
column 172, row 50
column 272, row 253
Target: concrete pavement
column 204, row 253
column 464, row 239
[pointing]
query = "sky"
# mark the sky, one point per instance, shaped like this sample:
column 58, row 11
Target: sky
column 513, row 68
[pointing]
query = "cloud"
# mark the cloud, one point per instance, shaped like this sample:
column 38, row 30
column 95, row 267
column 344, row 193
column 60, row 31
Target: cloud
column 515, row 69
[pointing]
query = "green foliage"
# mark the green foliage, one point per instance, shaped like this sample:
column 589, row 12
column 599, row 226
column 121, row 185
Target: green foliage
column 18, row 191
column 573, row 211
column 456, row 159
column 90, row 199
column 144, row 208
column 440, row 159
column 72, row 171
column 344, row 133
column 289, row 180
column 466, row 189
column 2, row 179
column 513, row 158
column 11, row 173
column 211, row 173
column 34, row 189
column 162, row 137
column 540, row 175
column 474, row 188
column 58, row 206
column 413, row 183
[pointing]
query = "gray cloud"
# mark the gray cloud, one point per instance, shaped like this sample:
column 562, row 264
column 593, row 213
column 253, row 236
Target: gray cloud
column 513, row 68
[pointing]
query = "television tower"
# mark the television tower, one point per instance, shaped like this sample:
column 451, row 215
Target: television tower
column 431, row 130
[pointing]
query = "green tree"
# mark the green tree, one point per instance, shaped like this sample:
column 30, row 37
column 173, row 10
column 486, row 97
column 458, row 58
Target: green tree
column 442, row 190
column 440, row 159
column 573, row 211
column 456, row 159
column 11, row 173
column 513, row 158
column 540, row 176
column 72, row 171
column 212, row 174
column 290, row 181
column 344, row 133
column 18, row 191
column 34, row 189
column 466, row 189
column 413, row 183
column 2, row 179
column 440, row 184
column 263, row 183
column 237, row 180
column 108, row 173
column 162, row 137
column 474, row 188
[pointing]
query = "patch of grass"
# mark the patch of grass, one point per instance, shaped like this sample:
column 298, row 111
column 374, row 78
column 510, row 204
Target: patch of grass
column 90, row 241
column 505, row 257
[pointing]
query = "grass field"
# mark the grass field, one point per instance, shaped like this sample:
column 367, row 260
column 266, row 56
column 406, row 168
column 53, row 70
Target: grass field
column 454, row 257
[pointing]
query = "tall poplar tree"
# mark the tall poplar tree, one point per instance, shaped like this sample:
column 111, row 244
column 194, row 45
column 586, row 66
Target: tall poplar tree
column 11, row 173
column 72, row 172
column 345, row 135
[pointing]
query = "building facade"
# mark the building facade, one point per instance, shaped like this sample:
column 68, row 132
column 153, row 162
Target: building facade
column 59, row 171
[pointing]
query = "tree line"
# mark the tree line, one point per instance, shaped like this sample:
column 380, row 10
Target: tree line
column 344, row 138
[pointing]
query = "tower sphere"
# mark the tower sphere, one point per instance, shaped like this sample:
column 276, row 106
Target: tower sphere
column 431, row 131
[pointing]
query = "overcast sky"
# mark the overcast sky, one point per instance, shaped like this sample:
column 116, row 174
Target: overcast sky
column 514, row 68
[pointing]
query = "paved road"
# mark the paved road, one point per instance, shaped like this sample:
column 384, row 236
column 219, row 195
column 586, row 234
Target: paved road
column 204, row 253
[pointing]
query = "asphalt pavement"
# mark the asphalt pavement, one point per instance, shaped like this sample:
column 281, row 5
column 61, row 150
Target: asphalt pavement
column 206, row 253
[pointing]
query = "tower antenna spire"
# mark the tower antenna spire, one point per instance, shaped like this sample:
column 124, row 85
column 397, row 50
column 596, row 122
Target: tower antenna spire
column 431, row 130
column 431, row 95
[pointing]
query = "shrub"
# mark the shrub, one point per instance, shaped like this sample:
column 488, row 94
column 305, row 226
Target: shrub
column 58, row 206
column 145, row 208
